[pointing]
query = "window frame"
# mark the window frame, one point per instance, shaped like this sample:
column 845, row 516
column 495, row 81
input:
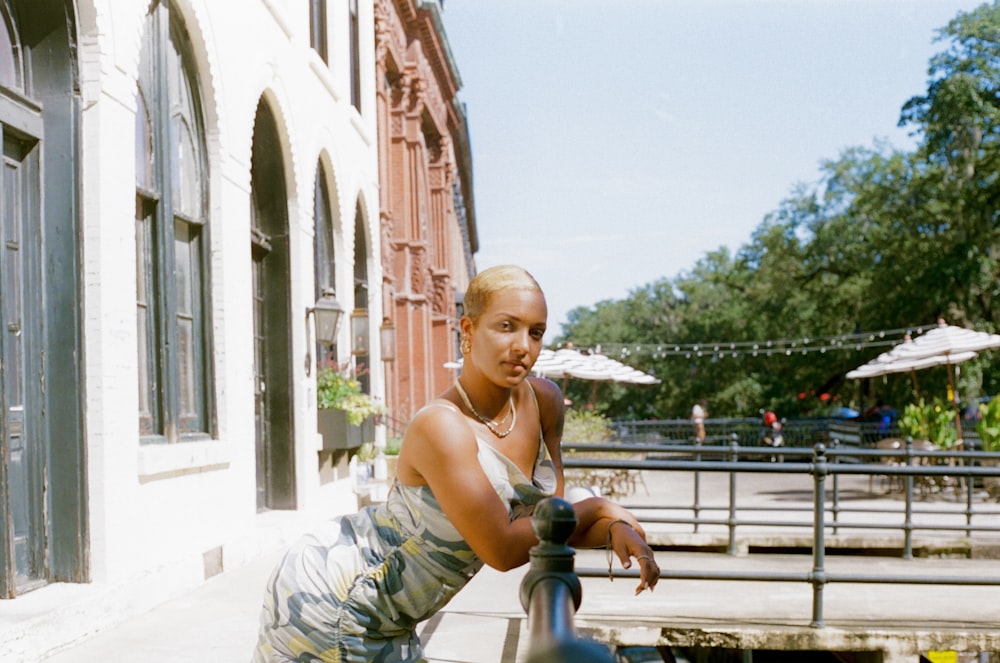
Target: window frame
column 175, row 377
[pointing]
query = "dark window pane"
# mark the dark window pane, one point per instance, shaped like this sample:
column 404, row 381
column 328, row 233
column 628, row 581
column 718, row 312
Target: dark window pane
column 174, row 393
column 143, row 145
column 317, row 28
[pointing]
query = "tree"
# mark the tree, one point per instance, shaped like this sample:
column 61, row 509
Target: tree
column 885, row 239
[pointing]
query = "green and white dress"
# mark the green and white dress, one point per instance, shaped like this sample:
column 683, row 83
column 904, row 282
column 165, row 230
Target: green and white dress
column 356, row 587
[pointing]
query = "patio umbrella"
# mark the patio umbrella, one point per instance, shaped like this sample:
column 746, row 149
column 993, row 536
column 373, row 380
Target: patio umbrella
column 947, row 340
column 570, row 363
column 945, row 345
column 894, row 361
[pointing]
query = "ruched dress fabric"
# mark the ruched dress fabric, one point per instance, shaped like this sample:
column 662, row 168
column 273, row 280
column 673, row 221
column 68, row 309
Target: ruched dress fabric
column 355, row 588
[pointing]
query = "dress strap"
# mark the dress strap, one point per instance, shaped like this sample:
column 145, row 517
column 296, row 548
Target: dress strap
column 542, row 449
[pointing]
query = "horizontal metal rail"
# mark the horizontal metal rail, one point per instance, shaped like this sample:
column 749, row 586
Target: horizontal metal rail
column 823, row 465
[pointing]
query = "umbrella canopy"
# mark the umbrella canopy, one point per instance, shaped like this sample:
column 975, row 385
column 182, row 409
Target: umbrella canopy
column 894, row 361
column 570, row 363
column 945, row 345
column 948, row 341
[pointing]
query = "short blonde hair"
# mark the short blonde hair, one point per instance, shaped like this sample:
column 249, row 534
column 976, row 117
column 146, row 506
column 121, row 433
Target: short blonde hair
column 493, row 280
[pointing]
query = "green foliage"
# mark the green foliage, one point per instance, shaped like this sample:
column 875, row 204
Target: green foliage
column 586, row 426
column 886, row 239
column 340, row 390
column 366, row 452
column 393, row 445
column 988, row 426
column 934, row 421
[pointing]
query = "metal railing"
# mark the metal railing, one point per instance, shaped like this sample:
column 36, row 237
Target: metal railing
column 551, row 592
column 825, row 466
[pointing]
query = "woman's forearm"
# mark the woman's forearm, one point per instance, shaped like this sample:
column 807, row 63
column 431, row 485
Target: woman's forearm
column 593, row 517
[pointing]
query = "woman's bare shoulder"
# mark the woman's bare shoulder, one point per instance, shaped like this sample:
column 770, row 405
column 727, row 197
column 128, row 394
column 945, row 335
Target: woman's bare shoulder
column 437, row 421
column 550, row 396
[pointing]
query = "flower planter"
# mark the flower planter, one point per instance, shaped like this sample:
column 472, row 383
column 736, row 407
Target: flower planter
column 339, row 434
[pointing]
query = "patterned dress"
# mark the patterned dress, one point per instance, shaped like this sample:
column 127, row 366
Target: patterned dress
column 356, row 588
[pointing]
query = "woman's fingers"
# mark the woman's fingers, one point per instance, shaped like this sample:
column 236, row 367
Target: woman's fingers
column 649, row 573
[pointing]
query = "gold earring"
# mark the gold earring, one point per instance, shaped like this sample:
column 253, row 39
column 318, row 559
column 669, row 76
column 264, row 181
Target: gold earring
column 466, row 345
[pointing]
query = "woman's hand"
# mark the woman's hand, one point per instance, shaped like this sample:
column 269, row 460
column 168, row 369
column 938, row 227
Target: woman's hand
column 627, row 542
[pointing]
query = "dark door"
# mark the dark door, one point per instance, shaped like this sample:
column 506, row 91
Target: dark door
column 24, row 449
column 272, row 318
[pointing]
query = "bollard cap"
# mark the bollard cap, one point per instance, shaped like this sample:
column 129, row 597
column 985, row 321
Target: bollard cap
column 554, row 520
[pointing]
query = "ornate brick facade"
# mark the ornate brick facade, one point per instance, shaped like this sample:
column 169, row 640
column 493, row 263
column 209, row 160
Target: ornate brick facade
column 425, row 176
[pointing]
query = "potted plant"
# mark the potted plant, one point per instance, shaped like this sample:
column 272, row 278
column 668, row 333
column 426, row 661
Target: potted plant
column 933, row 422
column 988, row 428
column 345, row 414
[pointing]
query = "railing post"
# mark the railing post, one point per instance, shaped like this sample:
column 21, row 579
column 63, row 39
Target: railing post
column 734, row 447
column 835, row 504
column 696, row 507
column 908, row 489
column 551, row 591
column 819, row 531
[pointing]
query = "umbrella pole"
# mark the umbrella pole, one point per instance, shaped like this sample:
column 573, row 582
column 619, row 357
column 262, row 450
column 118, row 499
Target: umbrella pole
column 954, row 403
column 916, row 387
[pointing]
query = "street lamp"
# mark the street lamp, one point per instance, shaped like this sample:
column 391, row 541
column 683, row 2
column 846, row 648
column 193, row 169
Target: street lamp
column 359, row 331
column 387, row 338
column 326, row 313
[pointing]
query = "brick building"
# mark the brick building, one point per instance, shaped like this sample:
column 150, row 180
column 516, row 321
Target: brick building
column 426, row 203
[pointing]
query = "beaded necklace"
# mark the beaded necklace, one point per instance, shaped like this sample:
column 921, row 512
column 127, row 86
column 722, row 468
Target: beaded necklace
column 490, row 423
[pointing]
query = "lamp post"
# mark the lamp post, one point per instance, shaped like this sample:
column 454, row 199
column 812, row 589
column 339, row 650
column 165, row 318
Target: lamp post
column 326, row 314
column 359, row 331
column 387, row 340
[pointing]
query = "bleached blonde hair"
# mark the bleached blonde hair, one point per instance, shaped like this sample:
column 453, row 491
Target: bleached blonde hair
column 493, row 280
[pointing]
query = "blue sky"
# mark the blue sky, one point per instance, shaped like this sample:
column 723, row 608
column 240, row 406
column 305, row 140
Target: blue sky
column 616, row 143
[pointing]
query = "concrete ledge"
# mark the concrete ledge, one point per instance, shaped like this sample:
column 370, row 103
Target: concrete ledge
column 903, row 645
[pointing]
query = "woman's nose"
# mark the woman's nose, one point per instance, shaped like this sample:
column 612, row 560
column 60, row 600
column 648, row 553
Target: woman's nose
column 522, row 341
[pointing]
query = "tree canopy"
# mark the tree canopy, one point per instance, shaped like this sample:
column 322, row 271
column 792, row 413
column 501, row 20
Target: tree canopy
column 884, row 240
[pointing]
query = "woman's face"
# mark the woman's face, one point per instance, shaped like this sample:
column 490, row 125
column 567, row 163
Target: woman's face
column 507, row 337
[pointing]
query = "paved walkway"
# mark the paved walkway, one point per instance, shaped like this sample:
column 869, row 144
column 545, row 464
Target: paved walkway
column 485, row 623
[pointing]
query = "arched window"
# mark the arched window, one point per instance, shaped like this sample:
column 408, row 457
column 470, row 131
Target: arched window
column 323, row 253
column 11, row 75
column 171, row 233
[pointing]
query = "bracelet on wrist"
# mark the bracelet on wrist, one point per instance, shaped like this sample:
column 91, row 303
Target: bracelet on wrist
column 608, row 547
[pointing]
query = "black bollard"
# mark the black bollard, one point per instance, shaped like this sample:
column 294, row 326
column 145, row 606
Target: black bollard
column 551, row 591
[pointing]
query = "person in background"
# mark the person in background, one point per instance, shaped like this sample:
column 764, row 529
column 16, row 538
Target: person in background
column 698, row 415
column 473, row 464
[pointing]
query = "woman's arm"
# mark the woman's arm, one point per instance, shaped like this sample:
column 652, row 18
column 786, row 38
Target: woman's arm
column 601, row 523
column 440, row 450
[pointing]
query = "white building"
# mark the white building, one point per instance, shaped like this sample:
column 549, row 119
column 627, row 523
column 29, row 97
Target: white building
column 167, row 166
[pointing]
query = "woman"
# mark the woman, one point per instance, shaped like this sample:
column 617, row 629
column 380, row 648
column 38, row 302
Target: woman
column 473, row 464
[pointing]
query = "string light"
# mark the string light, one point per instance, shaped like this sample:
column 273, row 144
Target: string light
column 735, row 349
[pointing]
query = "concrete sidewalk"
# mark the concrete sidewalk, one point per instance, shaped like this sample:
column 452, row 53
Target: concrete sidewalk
column 486, row 624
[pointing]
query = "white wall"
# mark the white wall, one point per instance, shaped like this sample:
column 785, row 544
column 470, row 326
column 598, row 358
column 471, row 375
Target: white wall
column 159, row 506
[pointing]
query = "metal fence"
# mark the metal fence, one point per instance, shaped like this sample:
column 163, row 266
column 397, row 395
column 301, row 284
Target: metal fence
column 906, row 470
column 748, row 431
